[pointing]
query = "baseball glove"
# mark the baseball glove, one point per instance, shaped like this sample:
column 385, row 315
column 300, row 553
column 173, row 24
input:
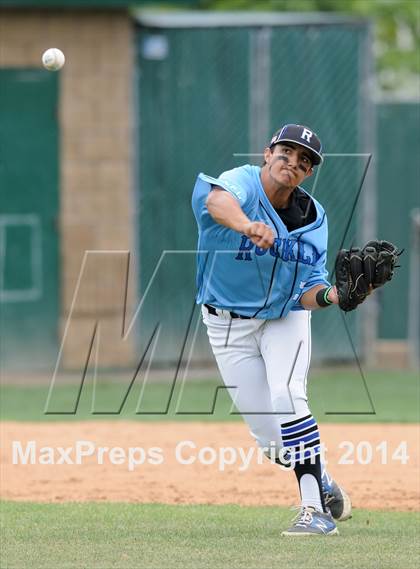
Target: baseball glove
column 358, row 271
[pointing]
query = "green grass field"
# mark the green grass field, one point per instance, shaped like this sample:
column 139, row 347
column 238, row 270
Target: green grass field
column 334, row 397
column 93, row 536
column 152, row 536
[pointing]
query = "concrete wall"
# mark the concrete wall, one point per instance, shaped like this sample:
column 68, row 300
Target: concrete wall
column 96, row 183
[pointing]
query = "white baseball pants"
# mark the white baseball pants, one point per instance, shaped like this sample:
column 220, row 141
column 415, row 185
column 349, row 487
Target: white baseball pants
column 264, row 365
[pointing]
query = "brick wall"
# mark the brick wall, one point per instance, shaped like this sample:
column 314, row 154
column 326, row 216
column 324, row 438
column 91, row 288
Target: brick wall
column 96, row 155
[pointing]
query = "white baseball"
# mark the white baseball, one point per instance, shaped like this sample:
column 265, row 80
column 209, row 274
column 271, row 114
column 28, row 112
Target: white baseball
column 53, row 59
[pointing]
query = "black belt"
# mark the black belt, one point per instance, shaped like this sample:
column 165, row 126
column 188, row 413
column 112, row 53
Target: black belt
column 213, row 311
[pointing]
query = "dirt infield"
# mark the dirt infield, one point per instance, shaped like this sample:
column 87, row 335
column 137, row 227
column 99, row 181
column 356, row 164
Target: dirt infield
column 379, row 481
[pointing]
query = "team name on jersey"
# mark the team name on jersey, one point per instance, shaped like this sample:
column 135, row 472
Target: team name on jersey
column 286, row 249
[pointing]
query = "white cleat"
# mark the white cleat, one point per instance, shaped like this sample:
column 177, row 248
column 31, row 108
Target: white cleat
column 312, row 522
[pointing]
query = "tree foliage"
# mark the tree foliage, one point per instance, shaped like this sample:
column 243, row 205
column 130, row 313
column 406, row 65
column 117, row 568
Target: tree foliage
column 396, row 29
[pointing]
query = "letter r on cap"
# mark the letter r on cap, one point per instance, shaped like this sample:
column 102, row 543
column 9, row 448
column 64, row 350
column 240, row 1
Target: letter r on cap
column 307, row 134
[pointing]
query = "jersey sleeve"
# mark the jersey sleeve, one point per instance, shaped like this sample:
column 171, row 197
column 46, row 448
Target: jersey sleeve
column 236, row 186
column 235, row 181
column 319, row 275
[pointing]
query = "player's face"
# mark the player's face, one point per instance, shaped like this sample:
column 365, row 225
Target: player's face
column 288, row 163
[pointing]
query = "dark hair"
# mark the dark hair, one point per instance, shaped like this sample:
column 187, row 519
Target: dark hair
column 271, row 147
column 271, row 150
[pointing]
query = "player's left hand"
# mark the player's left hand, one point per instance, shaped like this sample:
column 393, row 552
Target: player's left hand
column 333, row 294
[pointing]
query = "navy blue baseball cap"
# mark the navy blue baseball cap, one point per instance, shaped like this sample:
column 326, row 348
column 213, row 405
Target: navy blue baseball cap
column 300, row 135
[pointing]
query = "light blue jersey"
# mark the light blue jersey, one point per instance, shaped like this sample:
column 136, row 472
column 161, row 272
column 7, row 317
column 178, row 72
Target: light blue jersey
column 235, row 274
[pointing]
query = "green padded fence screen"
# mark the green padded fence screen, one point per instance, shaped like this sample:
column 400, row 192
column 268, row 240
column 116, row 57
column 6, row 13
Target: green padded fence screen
column 398, row 175
column 29, row 310
column 209, row 100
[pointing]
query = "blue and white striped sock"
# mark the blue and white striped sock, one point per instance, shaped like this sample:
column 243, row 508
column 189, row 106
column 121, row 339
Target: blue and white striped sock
column 301, row 438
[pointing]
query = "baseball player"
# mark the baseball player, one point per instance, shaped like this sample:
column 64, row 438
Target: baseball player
column 261, row 271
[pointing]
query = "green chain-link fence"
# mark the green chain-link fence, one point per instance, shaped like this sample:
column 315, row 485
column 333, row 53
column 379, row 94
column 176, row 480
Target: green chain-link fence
column 210, row 96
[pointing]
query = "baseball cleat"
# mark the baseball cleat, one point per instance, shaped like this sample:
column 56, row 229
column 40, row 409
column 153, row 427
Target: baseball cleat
column 336, row 499
column 312, row 522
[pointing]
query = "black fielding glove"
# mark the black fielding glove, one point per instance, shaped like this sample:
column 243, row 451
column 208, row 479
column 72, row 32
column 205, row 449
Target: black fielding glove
column 359, row 271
